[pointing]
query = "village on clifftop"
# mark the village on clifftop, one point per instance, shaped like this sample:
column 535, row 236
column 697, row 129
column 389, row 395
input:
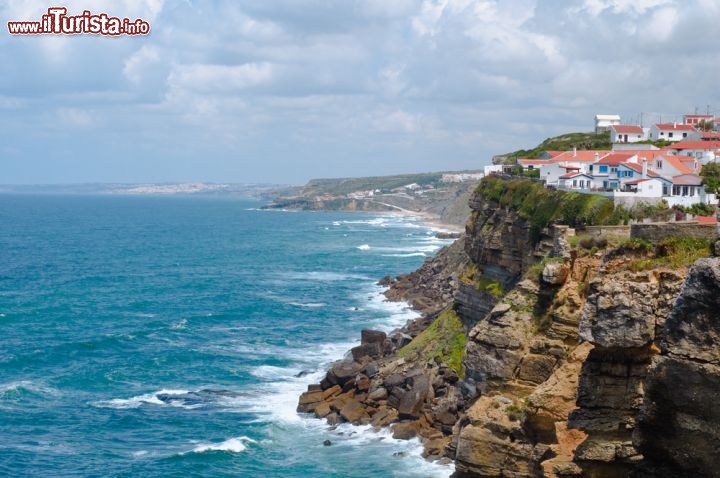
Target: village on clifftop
column 636, row 170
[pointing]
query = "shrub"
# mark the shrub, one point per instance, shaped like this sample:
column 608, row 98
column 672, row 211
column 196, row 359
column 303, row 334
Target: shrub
column 516, row 411
column 541, row 206
column 444, row 338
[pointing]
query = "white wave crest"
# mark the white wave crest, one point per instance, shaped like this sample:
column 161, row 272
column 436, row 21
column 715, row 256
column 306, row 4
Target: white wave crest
column 363, row 247
column 233, row 445
column 152, row 398
column 411, row 254
column 309, row 305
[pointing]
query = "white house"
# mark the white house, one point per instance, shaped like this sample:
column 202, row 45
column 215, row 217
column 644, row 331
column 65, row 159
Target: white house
column 705, row 151
column 646, row 187
column 623, row 133
column 670, row 131
column 576, row 180
column 603, row 122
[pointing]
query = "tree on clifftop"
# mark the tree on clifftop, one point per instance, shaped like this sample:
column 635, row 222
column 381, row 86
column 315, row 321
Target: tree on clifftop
column 711, row 181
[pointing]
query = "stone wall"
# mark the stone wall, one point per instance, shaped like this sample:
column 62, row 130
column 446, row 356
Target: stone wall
column 660, row 230
column 622, row 232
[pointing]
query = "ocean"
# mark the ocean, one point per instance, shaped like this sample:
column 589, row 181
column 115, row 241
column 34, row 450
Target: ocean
column 172, row 336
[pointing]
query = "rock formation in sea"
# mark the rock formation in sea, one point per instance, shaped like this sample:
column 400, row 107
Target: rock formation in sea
column 545, row 350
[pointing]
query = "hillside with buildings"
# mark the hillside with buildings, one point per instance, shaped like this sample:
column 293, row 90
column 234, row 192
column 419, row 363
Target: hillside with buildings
column 648, row 165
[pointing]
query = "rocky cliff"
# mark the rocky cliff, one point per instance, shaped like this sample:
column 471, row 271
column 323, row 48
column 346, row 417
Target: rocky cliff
column 542, row 353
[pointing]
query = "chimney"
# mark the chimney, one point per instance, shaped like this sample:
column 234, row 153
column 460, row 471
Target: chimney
column 574, row 151
column 674, row 124
column 597, row 155
column 644, row 168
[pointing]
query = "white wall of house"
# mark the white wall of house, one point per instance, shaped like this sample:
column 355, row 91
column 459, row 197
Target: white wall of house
column 580, row 182
column 616, row 137
column 668, row 134
column 551, row 172
column 652, row 188
column 603, row 122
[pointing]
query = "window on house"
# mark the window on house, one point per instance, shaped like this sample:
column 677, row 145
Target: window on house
column 684, row 135
column 603, row 168
column 670, row 135
column 658, row 164
column 662, row 133
column 613, row 170
column 574, row 183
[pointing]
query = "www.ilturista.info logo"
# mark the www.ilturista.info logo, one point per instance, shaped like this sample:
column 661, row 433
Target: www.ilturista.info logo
column 58, row 22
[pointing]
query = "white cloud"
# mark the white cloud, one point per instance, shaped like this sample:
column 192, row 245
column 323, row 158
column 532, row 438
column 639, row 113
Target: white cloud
column 397, row 122
column 138, row 62
column 661, row 25
column 220, row 78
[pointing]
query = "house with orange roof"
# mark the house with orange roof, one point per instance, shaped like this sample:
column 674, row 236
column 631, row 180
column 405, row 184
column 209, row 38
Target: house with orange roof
column 696, row 120
column 671, row 131
column 624, row 133
column 705, row 151
column 577, row 181
column 567, row 162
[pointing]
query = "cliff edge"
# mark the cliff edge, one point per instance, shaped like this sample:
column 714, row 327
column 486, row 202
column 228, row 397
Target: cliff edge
column 545, row 349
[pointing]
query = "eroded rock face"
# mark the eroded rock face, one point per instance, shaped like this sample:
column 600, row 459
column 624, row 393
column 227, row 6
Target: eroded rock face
column 627, row 310
column 623, row 319
column 679, row 429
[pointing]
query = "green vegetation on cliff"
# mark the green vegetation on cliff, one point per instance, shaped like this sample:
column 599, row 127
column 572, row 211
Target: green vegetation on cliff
column 563, row 142
column 444, row 338
column 541, row 206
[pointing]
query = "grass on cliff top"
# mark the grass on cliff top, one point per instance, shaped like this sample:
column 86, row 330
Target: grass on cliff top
column 541, row 206
column 673, row 252
column 564, row 142
column 444, row 338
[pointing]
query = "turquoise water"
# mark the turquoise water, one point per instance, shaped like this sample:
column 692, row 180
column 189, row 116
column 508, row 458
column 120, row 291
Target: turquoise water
column 172, row 336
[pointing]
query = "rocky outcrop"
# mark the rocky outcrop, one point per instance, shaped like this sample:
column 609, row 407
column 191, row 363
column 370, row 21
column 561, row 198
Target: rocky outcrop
column 432, row 287
column 623, row 318
column 679, row 427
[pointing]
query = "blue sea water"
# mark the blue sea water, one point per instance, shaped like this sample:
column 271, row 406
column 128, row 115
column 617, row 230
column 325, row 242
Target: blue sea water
column 171, row 336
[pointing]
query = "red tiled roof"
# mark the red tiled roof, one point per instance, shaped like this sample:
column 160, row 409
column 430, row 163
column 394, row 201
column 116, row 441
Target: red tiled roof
column 554, row 153
column 678, row 162
column 574, row 175
column 710, row 136
column 580, row 156
column 638, row 169
column 637, row 181
column 706, row 219
column 615, row 159
column 675, row 127
column 687, row 180
column 627, row 129
column 695, row 145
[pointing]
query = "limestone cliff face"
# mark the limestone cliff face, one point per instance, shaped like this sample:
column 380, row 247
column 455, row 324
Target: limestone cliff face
column 679, row 427
column 624, row 319
column 562, row 362
column 500, row 247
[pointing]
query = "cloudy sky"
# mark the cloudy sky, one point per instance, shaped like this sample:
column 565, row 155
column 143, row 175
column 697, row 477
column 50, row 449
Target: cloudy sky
column 286, row 90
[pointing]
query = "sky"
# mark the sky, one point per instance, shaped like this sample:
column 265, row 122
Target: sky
column 281, row 91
